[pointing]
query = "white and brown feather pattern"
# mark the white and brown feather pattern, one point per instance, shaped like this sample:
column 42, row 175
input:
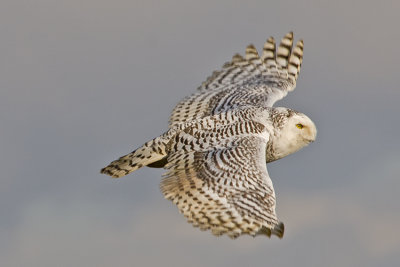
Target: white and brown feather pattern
column 203, row 133
column 216, row 131
column 150, row 152
column 225, row 189
column 216, row 169
column 217, row 174
column 220, row 139
column 249, row 80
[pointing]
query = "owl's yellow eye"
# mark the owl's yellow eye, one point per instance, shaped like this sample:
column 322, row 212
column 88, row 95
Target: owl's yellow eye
column 299, row 125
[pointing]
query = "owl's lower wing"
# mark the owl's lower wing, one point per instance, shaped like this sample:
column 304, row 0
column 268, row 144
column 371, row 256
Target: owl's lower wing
column 249, row 80
column 227, row 190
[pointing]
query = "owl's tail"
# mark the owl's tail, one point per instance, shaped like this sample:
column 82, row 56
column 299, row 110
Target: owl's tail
column 152, row 154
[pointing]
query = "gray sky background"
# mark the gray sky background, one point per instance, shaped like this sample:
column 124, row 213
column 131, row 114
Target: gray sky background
column 84, row 82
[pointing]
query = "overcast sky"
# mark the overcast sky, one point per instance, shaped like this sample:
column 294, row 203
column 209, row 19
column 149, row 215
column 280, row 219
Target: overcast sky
column 84, row 82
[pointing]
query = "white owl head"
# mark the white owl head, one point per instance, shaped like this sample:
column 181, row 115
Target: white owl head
column 292, row 131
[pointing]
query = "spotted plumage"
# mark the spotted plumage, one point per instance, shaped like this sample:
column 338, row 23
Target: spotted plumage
column 220, row 139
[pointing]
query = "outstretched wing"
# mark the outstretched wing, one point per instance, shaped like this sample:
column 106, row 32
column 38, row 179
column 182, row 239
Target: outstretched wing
column 225, row 188
column 252, row 80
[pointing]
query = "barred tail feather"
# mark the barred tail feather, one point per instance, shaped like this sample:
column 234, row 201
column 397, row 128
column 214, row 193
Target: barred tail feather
column 150, row 153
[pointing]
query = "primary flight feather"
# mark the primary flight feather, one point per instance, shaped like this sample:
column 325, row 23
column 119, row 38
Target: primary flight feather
column 220, row 139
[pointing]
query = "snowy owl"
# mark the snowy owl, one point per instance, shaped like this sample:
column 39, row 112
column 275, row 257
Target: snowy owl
column 221, row 138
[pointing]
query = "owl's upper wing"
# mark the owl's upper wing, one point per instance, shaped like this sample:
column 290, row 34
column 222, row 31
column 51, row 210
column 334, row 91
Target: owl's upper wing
column 252, row 80
column 224, row 187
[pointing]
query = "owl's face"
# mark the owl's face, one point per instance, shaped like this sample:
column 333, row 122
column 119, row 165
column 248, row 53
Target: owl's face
column 299, row 130
column 294, row 132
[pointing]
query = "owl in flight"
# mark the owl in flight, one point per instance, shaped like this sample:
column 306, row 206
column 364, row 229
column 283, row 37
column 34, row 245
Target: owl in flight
column 221, row 138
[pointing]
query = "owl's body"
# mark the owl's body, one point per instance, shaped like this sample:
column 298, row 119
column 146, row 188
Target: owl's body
column 221, row 138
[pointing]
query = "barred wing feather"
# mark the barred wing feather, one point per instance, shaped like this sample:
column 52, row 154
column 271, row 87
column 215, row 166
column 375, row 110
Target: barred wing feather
column 249, row 80
column 225, row 189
